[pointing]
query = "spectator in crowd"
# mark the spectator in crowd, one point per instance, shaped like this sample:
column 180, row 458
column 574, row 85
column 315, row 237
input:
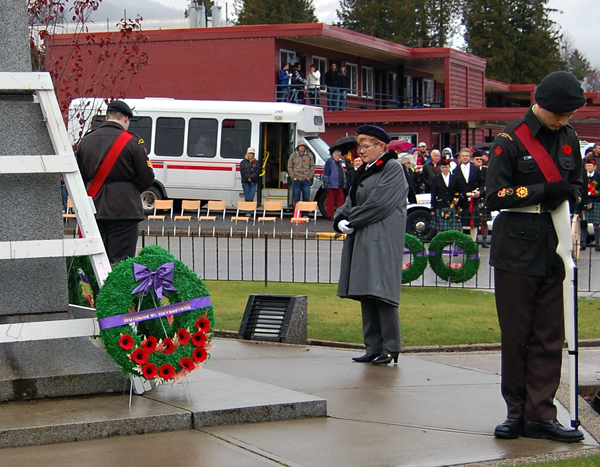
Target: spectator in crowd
column 422, row 154
column 445, row 194
column 249, row 172
column 314, row 85
column 344, row 84
column 298, row 84
column 117, row 200
column 284, row 81
column 447, row 154
column 351, row 173
column 472, row 186
column 334, row 180
column 333, row 88
column 592, row 211
column 596, row 149
column 430, row 170
column 411, row 177
column 373, row 218
column 484, row 212
column 301, row 169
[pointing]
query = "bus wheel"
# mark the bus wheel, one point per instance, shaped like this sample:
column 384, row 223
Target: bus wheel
column 322, row 202
column 148, row 198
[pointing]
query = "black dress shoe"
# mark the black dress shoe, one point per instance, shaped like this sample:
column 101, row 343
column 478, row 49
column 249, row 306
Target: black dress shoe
column 386, row 358
column 484, row 245
column 509, row 429
column 368, row 357
column 551, row 429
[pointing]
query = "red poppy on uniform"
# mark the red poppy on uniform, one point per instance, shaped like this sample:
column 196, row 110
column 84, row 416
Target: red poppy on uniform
column 149, row 370
column 379, row 162
column 567, row 149
column 126, row 341
column 166, row 371
column 184, row 336
column 498, row 150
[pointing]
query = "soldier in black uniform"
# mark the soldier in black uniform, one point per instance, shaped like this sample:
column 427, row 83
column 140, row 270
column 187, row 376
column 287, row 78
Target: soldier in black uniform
column 118, row 204
column 528, row 271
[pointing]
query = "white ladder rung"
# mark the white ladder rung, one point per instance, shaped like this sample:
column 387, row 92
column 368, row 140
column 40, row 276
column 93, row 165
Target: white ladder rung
column 17, row 164
column 51, row 248
column 42, row 330
column 23, row 81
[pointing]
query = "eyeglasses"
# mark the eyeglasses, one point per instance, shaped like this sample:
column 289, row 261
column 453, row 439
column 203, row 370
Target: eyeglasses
column 365, row 147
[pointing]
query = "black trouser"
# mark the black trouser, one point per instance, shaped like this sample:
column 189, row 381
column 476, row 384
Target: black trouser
column 119, row 238
column 530, row 312
column 381, row 325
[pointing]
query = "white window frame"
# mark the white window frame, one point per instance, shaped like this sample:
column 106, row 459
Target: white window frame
column 368, row 82
column 321, row 63
column 428, row 91
column 352, row 73
column 291, row 57
column 393, row 92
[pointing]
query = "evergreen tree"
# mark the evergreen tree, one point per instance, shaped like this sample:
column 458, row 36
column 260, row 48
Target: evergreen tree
column 518, row 39
column 274, row 11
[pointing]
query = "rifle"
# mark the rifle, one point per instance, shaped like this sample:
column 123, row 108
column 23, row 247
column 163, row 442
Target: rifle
column 566, row 231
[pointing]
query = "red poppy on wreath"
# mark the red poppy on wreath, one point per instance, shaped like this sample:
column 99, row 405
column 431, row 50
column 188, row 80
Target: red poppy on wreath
column 139, row 356
column 199, row 339
column 126, row 341
column 187, row 363
column 168, row 346
column 149, row 345
column 567, row 149
column 149, row 370
column 498, row 150
column 166, row 371
column 203, row 324
column 184, row 336
column 199, row 354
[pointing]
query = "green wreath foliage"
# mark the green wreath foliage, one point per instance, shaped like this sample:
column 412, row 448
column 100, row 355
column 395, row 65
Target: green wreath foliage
column 79, row 269
column 418, row 258
column 144, row 350
column 465, row 243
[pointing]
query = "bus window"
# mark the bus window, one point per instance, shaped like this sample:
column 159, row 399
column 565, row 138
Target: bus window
column 142, row 127
column 235, row 138
column 202, row 137
column 169, row 136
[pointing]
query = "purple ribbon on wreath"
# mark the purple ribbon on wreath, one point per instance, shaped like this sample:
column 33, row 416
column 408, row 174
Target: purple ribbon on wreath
column 160, row 279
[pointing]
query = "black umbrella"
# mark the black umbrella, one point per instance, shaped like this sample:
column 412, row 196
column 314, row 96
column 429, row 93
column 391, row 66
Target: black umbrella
column 345, row 144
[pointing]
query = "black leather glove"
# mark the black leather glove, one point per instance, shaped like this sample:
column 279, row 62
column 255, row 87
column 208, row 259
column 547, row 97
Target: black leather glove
column 559, row 189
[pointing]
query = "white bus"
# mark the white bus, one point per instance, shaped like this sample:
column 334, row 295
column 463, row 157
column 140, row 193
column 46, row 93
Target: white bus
column 196, row 146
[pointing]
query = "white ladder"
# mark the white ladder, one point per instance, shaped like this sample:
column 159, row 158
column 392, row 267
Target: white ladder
column 63, row 161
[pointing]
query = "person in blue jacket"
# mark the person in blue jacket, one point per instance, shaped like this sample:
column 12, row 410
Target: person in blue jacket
column 284, row 81
column 334, row 180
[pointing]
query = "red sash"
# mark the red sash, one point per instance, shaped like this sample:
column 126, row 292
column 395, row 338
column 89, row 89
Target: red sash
column 539, row 154
column 108, row 163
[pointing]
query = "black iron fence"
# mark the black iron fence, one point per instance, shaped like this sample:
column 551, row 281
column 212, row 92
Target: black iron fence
column 314, row 260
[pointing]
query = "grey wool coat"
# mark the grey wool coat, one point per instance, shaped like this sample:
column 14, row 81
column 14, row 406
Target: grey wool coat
column 372, row 256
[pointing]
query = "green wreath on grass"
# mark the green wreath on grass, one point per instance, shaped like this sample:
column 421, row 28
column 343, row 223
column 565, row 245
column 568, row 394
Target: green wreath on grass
column 413, row 270
column 467, row 249
column 170, row 336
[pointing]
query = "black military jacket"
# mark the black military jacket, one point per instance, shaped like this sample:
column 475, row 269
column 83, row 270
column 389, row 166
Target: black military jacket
column 526, row 243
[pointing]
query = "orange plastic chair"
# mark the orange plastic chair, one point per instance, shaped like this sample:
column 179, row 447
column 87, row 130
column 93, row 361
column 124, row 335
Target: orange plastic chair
column 244, row 206
column 213, row 206
column 188, row 205
column 304, row 207
column 271, row 207
column 161, row 205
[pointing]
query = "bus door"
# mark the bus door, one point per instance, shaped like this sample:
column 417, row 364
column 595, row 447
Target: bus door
column 276, row 145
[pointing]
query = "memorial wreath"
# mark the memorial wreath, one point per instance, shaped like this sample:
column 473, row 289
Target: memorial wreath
column 461, row 244
column 155, row 316
column 413, row 270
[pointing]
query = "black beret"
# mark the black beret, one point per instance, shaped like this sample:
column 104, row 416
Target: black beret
column 476, row 154
column 560, row 92
column 120, row 106
column 375, row 132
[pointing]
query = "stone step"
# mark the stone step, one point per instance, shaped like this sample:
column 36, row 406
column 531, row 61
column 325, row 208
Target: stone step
column 214, row 399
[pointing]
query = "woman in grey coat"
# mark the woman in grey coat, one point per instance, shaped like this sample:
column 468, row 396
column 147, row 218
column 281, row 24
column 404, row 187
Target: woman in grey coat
column 374, row 219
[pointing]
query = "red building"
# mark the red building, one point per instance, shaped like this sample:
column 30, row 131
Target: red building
column 437, row 95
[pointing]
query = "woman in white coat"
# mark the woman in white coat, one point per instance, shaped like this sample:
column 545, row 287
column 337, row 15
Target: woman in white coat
column 374, row 219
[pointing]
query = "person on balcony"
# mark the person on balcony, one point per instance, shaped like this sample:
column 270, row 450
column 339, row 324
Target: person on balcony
column 284, row 81
column 344, row 84
column 314, row 85
column 333, row 88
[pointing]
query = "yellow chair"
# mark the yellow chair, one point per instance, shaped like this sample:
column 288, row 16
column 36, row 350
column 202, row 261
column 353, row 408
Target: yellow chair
column 213, row 206
column 304, row 207
column 161, row 205
column 244, row 206
column 69, row 213
column 271, row 207
column 188, row 205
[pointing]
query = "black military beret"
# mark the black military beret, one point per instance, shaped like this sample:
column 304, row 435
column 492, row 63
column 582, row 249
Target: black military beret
column 375, row 132
column 120, row 106
column 560, row 92
column 476, row 154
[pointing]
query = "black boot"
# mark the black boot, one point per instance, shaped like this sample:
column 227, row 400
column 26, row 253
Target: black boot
column 386, row 358
column 368, row 357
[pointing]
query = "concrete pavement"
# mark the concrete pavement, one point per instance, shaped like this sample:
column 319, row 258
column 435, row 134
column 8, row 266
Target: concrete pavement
column 431, row 409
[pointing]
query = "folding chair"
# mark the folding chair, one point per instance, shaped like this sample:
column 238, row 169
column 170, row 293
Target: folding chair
column 304, row 207
column 213, row 206
column 244, row 206
column 161, row 205
column 188, row 205
column 271, row 207
column 69, row 213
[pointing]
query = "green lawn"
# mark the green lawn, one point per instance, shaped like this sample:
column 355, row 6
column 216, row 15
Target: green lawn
column 428, row 315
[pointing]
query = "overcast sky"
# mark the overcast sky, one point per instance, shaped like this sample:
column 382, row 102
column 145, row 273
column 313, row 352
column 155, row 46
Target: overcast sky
column 577, row 18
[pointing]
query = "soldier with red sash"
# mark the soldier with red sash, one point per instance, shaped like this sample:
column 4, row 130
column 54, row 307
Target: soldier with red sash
column 528, row 272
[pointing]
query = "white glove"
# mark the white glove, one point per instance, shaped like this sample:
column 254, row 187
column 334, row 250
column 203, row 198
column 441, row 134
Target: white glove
column 344, row 227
